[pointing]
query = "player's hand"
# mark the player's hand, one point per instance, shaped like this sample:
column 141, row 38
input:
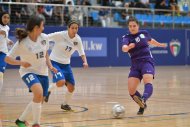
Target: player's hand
column 131, row 45
column 10, row 42
column 54, row 70
column 25, row 64
column 163, row 45
column 85, row 65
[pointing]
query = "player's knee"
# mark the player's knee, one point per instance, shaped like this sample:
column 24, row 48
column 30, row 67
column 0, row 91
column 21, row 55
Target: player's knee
column 38, row 96
column 71, row 89
column 60, row 83
column 132, row 92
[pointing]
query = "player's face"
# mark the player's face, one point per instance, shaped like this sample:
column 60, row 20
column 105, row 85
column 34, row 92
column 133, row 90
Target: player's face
column 73, row 29
column 133, row 27
column 5, row 19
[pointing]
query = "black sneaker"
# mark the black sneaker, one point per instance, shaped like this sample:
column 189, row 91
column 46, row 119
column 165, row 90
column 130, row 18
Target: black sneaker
column 139, row 101
column 46, row 99
column 21, row 123
column 141, row 110
column 66, row 107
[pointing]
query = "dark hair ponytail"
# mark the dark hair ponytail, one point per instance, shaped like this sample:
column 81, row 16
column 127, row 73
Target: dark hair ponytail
column 34, row 20
column 21, row 33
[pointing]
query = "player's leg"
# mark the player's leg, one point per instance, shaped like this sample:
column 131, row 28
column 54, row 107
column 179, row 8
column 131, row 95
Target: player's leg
column 2, row 68
column 58, row 79
column 70, row 83
column 148, row 72
column 132, row 87
column 148, row 76
column 37, row 100
column 44, row 80
column 68, row 97
column 134, row 79
column 148, row 90
column 148, row 87
column 1, row 81
column 33, row 83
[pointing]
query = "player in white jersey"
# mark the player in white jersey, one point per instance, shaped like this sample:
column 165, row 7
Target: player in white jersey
column 4, row 33
column 32, row 47
column 66, row 43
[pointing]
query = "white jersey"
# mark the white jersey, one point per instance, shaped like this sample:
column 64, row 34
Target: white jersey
column 32, row 52
column 4, row 39
column 64, row 46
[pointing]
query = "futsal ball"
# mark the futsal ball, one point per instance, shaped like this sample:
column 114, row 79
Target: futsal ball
column 118, row 111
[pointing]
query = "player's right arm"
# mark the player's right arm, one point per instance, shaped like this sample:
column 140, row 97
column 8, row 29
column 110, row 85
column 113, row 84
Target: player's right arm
column 13, row 61
column 126, row 45
column 13, row 53
column 126, row 48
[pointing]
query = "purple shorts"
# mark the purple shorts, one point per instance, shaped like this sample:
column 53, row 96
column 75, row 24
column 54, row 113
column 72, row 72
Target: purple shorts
column 142, row 66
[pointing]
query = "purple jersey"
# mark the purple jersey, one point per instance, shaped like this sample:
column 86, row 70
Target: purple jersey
column 141, row 49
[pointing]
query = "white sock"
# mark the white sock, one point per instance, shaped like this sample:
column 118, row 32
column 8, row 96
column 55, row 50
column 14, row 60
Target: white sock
column 67, row 97
column 27, row 110
column 36, row 110
column 1, row 81
column 52, row 86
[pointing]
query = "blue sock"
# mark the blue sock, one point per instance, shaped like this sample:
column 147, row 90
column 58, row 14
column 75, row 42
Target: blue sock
column 148, row 90
column 137, row 94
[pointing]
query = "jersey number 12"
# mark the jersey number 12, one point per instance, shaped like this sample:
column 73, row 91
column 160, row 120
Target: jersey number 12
column 40, row 55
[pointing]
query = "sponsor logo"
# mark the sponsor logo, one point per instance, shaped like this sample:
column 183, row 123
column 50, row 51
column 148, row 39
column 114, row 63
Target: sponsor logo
column 43, row 42
column 142, row 36
column 75, row 43
column 175, row 46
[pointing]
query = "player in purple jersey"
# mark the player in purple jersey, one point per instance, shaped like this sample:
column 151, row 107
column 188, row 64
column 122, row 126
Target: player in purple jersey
column 136, row 43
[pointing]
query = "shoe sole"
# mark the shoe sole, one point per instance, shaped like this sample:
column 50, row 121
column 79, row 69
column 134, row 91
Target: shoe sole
column 21, row 125
column 68, row 110
column 139, row 113
column 139, row 102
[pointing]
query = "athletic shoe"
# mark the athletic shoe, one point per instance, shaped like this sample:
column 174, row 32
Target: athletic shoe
column 141, row 110
column 21, row 123
column 46, row 99
column 66, row 107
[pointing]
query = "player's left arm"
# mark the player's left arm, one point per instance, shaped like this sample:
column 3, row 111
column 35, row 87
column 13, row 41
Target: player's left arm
column 156, row 43
column 48, row 62
column 85, row 63
column 81, row 52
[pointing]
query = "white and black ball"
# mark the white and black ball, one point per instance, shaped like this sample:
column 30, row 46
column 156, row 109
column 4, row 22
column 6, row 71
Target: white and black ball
column 118, row 111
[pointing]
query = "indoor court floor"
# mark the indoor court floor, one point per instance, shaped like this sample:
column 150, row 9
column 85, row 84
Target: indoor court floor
column 97, row 90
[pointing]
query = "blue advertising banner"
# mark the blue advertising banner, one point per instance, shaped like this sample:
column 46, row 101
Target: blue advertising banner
column 94, row 46
column 188, row 46
column 103, row 46
column 174, row 54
